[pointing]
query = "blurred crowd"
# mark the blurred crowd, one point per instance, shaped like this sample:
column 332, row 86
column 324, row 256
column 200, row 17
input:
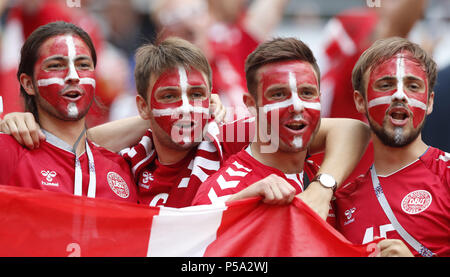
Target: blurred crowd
column 227, row 31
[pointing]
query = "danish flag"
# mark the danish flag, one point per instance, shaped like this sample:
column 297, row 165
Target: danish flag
column 68, row 225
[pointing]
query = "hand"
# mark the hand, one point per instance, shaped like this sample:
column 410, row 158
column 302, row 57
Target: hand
column 24, row 128
column 393, row 248
column 273, row 189
column 317, row 198
column 218, row 110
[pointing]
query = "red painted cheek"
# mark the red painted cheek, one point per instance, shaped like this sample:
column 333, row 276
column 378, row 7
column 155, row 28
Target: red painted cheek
column 377, row 113
column 418, row 116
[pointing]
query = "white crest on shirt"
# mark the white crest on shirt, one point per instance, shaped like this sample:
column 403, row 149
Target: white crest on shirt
column 416, row 201
column 118, row 184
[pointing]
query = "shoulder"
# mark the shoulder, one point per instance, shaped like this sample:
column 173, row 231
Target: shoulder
column 235, row 135
column 106, row 154
column 226, row 181
column 438, row 162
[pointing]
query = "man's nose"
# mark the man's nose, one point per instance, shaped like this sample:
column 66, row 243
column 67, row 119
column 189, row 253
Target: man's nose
column 400, row 95
column 72, row 75
column 297, row 104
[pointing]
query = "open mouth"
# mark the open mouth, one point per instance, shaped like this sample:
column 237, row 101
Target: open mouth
column 72, row 95
column 185, row 125
column 295, row 126
column 399, row 115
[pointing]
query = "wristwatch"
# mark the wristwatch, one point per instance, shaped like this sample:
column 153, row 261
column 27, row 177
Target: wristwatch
column 326, row 180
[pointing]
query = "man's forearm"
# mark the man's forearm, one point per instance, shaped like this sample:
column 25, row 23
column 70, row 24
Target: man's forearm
column 345, row 143
column 119, row 134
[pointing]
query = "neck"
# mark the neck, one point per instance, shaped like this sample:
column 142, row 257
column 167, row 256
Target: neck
column 168, row 155
column 68, row 131
column 390, row 159
column 287, row 162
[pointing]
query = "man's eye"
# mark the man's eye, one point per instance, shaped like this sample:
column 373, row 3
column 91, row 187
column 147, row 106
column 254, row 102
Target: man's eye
column 308, row 94
column 413, row 86
column 84, row 65
column 277, row 94
column 385, row 86
column 54, row 66
column 196, row 95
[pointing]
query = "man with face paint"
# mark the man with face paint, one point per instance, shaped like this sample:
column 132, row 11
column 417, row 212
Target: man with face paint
column 283, row 80
column 57, row 78
column 404, row 196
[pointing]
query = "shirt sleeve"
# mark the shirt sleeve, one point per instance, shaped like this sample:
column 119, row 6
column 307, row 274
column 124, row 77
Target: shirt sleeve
column 221, row 185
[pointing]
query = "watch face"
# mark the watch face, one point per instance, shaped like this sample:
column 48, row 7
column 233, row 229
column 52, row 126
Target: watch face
column 327, row 180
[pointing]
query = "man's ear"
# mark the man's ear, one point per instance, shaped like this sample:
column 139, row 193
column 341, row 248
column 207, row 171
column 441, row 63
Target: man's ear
column 359, row 102
column 143, row 107
column 430, row 103
column 27, row 83
column 250, row 102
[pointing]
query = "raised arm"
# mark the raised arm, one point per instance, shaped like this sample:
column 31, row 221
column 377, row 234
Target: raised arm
column 263, row 16
column 114, row 136
column 397, row 18
column 344, row 142
column 119, row 134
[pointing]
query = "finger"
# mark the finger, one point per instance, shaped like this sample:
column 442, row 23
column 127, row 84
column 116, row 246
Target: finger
column 34, row 131
column 267, row 195
column 288, row 192
column 278, row 195
column 25, row 134
column 14, row 132
column 4, row 128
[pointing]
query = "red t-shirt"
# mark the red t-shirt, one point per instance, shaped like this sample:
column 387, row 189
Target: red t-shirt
column 52, row 167
column 238, row 172
column 175, row 185
column 419, row 196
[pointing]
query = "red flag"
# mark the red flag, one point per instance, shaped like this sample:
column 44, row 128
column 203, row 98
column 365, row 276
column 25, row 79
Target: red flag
column 47, row 224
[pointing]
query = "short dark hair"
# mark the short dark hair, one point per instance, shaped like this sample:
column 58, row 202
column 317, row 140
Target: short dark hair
column 384, row 49
column 29, row 53
column 153, row 59
column 275, row 50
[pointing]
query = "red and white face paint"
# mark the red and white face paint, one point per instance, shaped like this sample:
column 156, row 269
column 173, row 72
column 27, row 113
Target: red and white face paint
column 65, row 75
column 400, row 79
column 290, row 93
column 180, row 104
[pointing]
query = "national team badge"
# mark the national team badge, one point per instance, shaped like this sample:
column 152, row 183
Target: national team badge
column 118, row 185
column 416, row 201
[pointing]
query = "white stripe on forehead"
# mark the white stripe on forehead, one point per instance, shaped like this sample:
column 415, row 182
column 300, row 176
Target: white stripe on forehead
column 294, row 100
column 71, row 53
column 399, row 94
column 400, row 74
column 185, row 107
column 184, row 86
